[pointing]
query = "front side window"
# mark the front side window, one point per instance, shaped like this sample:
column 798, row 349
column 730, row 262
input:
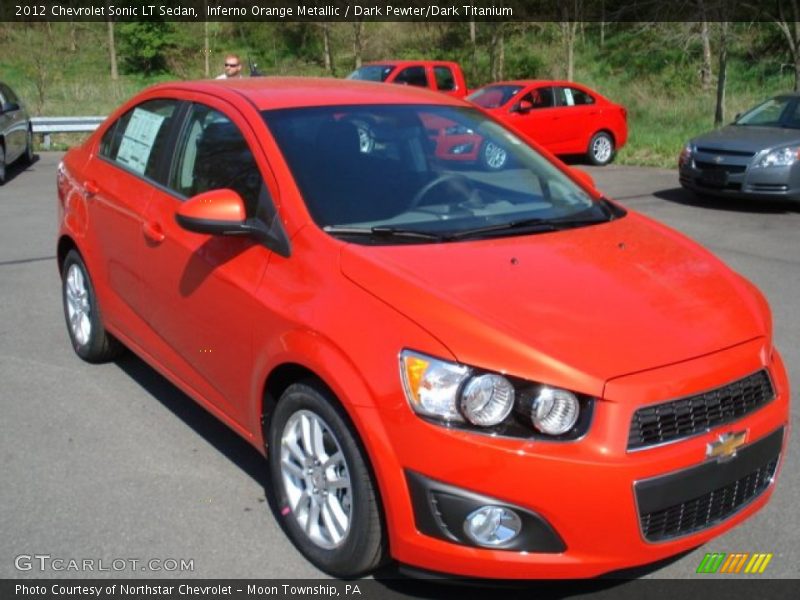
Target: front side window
column 414, row 180
column 541, row 98
column 412, row 76
column 138, row 140
column 494, row 96
column 213, row 154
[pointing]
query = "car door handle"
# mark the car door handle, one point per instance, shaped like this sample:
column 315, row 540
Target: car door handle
column 153, row 232
column 91, row 188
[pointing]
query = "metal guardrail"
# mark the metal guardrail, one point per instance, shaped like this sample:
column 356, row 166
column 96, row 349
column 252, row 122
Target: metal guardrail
column 45, row 126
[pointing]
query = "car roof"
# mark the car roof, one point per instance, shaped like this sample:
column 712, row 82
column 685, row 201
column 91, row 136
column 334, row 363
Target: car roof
column 406, row 63
column 528, row 82
column 268, row 93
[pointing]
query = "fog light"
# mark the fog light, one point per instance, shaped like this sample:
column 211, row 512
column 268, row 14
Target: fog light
column 554, row 411
column 492, row 525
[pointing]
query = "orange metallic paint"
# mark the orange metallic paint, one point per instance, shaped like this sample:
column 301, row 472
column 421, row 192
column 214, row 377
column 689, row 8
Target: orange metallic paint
column 629, row 312
column 215, row 205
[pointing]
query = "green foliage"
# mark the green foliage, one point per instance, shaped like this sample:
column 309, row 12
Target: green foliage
column 652, row 69
column 143, row 46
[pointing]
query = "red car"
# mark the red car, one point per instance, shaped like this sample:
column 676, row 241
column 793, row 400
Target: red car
column 438, row 75
column 478, row 372
column 564, row 117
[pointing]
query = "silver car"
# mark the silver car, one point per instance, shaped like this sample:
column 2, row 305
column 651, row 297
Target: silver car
column 16, row 135
column 757, row 156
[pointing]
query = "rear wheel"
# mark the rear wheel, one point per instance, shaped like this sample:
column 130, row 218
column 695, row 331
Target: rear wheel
column 89, row 338
column 323, row 487
column 601, row 149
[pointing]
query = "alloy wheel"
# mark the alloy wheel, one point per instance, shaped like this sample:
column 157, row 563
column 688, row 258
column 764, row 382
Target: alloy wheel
column 316, row 479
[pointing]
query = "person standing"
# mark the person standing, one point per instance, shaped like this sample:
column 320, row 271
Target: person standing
column 233, row 67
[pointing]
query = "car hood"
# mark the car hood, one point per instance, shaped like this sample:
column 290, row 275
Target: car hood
column 582, row 305
column 743, row 138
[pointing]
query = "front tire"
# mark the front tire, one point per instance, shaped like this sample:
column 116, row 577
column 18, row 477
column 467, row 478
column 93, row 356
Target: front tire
column 2, row 163
column 601, row 149
column 89, row 338
column 29, row 148
column 323, row 488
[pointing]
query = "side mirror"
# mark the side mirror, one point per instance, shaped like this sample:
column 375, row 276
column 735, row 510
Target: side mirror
column 523, row 107
column 583, row 177
column 222, row 212
column 218, row 212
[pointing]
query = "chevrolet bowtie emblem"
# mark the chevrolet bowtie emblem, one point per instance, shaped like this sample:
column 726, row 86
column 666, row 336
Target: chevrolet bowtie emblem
column 718, row 159
column 725, row 448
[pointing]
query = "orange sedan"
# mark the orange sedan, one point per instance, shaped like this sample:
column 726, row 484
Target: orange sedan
column 471, row 371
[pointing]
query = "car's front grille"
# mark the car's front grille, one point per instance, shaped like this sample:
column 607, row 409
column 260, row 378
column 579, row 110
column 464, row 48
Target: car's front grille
column 723, row 152
column 660, row 423
column 687, row 501
column 707, row 166
column 708, row 509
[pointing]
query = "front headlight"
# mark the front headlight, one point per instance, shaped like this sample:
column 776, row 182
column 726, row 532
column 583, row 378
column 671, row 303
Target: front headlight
column 782, row 157
column 686, row 154
column 467, row 397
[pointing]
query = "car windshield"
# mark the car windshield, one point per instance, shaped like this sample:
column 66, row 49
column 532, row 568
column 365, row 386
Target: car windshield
column 782, row 111
column 390, row 173
column 371, row 73
column 494, row 96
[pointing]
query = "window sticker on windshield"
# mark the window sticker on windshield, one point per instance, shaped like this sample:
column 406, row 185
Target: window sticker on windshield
column 568, row 95
column 138, row 139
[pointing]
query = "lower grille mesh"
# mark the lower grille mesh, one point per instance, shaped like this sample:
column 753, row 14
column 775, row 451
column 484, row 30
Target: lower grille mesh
column 708, row 509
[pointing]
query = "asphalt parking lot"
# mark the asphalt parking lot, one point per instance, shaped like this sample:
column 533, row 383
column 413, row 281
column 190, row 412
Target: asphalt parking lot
column 112, row 462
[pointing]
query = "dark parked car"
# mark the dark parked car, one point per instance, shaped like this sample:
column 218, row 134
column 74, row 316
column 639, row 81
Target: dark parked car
column 16, row 135
column 756, row 156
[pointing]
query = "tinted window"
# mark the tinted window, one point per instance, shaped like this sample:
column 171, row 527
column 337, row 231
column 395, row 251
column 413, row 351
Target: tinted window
column 494, row 96
column 573, row 97
column 413, row 76
column 444, row 79
column 213, row 154
column 411, row 173
column 138, row 140
column 541, row 97
column 8, row 94
column 371, row 73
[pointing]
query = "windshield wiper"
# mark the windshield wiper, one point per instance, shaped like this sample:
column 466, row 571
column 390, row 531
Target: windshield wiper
column 537, row 225
column 388, row 232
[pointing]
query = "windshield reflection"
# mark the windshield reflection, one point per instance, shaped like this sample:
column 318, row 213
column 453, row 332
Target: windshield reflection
column 422, row 174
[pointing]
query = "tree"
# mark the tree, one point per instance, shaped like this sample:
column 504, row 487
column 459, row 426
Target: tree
column 143, row 45
column 112, row 51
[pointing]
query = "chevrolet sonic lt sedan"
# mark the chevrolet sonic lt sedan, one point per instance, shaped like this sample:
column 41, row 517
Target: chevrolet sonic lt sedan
column 757, row 156
column 470, row 371
column 563, row 116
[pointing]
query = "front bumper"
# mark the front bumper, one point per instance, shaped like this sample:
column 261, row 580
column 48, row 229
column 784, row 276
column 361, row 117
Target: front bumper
column 588, row 492
column 733, row 177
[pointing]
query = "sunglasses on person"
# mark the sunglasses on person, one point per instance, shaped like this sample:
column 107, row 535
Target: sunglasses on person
column 232, row 65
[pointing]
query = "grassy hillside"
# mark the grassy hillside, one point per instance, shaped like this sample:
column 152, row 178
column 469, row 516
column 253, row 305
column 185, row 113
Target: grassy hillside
column 63, row 69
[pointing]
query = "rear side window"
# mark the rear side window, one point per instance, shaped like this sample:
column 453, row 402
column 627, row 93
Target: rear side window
column 413, row 76
column 444, row 79
column 138, row 140
column 574, row 97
